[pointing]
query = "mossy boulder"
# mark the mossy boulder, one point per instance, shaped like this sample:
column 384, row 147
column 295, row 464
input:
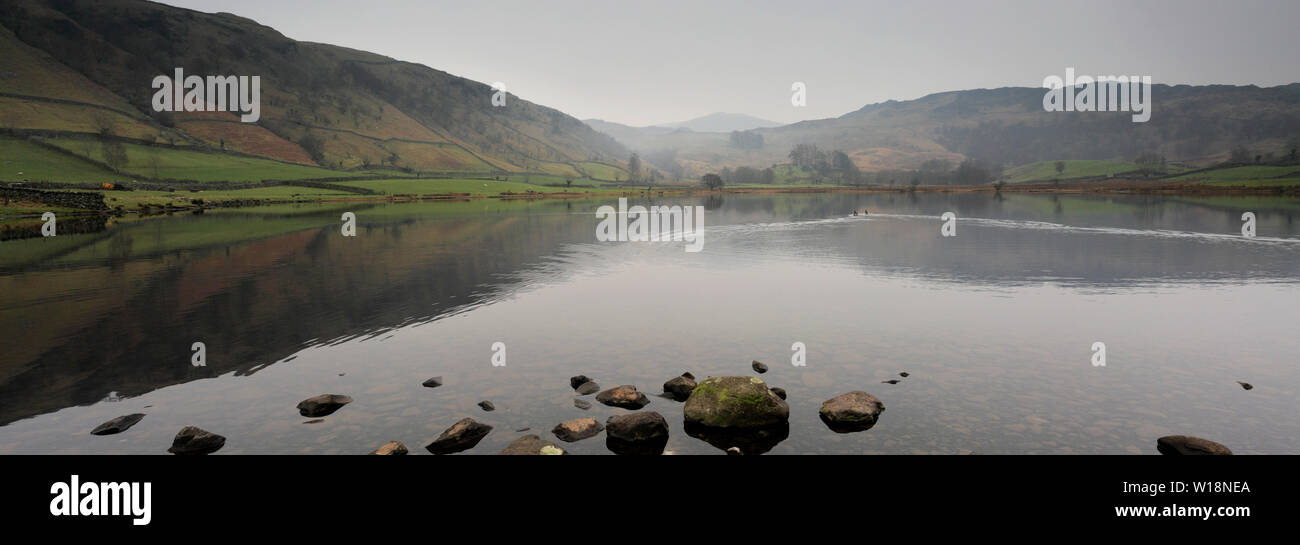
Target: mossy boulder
column 735, row 402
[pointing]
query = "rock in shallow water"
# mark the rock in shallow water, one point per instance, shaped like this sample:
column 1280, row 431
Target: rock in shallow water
column 854, row 411
column 735, row 402
column 322, row 405
column 194, row 440
column 1246, row 385
column 587, row 388
column 643, row 434
column 577, row 429
column 391, row 448
column 575, row 382
column 433, row 382
column 460, row 436
column 117, row 425
column 1175, row 445
column 532, row 445
column 780, row 392
column 679, row 388
column 487, row 406
column 637, row 426
column 582, row 404
column 759, row 367
column 624, row 396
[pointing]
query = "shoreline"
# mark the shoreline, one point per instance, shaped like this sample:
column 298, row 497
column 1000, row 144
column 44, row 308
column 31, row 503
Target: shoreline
column 1113, row 187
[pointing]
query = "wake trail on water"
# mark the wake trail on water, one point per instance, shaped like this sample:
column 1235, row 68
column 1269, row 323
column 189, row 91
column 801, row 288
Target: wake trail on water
column 1006, row 224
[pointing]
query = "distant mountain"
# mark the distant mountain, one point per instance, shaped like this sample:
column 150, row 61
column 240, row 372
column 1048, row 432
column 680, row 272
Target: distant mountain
column 1008, row 126
column 723, row 122
column 70, row 67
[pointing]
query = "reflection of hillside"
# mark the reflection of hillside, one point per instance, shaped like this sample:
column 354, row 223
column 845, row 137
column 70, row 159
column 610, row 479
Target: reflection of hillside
column 129, row 324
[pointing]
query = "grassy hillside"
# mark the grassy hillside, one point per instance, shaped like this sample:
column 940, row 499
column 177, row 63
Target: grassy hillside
column 70, row 67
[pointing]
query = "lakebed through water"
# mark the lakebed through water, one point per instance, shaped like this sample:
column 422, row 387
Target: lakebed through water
column 995, row 326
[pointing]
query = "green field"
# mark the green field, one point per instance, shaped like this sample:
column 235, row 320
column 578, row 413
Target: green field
column 23, row 160
column 1074, row 168
column 170, row 163
column 472, row 187
column 1257, row 174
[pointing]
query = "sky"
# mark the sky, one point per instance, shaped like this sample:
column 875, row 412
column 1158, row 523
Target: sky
column 663, row 61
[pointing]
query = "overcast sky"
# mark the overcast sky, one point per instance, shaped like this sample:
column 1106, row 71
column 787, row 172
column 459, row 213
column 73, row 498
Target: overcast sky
column 649, row 62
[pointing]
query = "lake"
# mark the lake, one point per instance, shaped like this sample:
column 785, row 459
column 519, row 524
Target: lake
column 995, row 326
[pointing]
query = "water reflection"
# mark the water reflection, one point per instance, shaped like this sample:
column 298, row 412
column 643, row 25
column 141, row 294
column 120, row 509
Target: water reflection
column 116, row 310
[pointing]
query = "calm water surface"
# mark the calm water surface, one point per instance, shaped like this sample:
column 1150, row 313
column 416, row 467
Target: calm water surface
column 995, row 325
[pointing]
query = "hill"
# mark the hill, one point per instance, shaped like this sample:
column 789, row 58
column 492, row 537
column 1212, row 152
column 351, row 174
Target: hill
column 1199, row 125
column 723, row 122
column 72, row 70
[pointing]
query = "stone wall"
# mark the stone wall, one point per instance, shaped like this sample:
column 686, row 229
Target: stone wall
column 81, row 200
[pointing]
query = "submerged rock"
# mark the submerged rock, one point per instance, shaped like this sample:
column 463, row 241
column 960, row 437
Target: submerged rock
column 532, row 445
column 854, row 411
column 577, row 429
column 748, row 441
column 624, row 396
column 890, row 381
column 587, row 388
column 1186, row 445
column 780, row 392
column 582, row 404
column 487, row 405
column 759, row 367
column 904, row 374
column 194, row 440
column 391, row 448
column 575, row 382
column 679, row 388
column 1246, row 385
column 735, row 402
column 433, row 382
column 117, row 425
column 322, row 405
column 460, row 436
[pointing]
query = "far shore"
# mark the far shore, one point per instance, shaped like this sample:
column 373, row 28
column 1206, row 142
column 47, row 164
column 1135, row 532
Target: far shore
column 1153, row 187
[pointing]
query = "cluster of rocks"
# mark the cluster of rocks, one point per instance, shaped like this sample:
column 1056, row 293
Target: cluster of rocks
column 736, row 414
